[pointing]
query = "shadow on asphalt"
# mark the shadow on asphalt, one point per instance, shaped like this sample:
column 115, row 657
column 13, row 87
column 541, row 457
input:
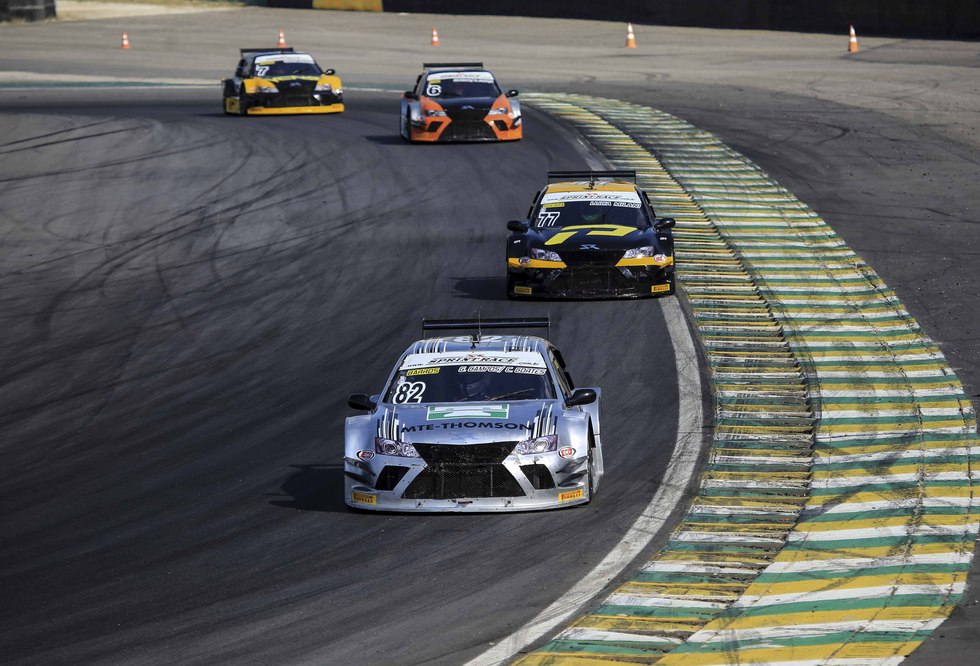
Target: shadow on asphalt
column 314, row 488
column 482, row 288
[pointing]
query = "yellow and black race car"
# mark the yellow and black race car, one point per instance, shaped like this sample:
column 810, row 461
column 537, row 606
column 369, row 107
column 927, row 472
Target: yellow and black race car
column 593, row 234
column 279, row 81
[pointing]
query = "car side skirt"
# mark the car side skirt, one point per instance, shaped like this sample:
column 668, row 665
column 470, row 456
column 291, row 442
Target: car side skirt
column 290, row 110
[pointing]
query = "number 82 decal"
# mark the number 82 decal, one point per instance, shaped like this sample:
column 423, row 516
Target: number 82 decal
column 409, row 392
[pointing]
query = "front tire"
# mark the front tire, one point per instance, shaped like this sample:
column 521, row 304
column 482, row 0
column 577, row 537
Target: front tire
column 511, row 283
column 405, row 128
column 591, row 475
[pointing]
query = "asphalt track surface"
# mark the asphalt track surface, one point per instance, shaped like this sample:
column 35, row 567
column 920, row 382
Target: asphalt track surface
column 190, row 298
column 181, row 326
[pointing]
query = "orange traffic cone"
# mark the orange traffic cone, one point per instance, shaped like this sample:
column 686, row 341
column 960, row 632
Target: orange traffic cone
column 630, row 37
column 435, row 37
column 282, row 40
column 125, row 41
column 852, row 44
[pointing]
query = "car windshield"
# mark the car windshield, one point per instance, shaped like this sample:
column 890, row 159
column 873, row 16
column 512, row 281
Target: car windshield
column 591, row 207
column 470, row 379
column 289, row 66
column 450, row 85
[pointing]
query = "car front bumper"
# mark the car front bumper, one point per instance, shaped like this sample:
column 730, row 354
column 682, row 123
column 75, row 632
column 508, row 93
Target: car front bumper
column 524, row 483
column 445, row 130
column 589, row 283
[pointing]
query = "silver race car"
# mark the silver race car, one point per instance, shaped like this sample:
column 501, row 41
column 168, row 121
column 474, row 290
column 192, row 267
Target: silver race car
column 474, row 423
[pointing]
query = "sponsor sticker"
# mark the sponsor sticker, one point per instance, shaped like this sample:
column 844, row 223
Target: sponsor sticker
column 430, row 360
column 363, row 498
column 566, row 452
column 526, row 291
column 365, row 455
column 657, row 288
column 291, row 57
column 606, row 196
column 463, row 76
column 436, row 413
column 422, row 371
column 554, row 204
column 571, row 495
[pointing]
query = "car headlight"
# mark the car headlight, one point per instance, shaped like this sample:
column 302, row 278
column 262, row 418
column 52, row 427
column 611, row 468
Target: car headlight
column 498, row 111
column 391, row 447
column 266, row 88
column 544, row 444
column 435, row 112
column 640, row 252
column 546, row 255
column 325, row 87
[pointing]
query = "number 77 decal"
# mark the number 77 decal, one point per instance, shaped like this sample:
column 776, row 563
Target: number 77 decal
column 591, row 230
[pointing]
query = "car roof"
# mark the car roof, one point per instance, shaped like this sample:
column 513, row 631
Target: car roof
column 487, row 343
column 591, row 186
column 252, row 54
column 430, row 67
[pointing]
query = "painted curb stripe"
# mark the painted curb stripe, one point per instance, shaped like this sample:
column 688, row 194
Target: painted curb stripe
column 836, row 517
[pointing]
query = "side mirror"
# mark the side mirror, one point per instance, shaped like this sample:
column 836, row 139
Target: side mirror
column 360, row 401
column 239, row 74
column 512, row 93
column 666, row 223
column 330, row 72
column 410, row 94
column 582, row 396
column 518, row 226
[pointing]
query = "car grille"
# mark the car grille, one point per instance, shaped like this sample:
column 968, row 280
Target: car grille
column 289, row 95
column 591, row 258
column 390, row 476
column 467, row 115
column 467, row 125
column 591, row 280
column 539, row 476
column 464, row 470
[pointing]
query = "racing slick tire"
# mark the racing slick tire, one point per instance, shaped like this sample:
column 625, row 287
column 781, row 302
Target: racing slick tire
column 590, row 475
column 403, row 128
column 510, row 287
column 673, row 283
column 242, row 103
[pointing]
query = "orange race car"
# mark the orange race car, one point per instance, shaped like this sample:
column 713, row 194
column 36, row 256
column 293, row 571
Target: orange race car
column 459, row 102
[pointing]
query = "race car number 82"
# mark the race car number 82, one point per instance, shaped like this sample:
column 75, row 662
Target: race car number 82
column 409, row 392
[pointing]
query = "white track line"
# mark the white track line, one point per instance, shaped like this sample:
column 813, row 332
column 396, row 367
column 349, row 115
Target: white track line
column 680, row 469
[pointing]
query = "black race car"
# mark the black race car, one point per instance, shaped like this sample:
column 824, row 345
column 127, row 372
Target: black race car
column 591, row 235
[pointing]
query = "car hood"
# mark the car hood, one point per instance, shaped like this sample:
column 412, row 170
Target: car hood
column 604, row 236
column 468, row 422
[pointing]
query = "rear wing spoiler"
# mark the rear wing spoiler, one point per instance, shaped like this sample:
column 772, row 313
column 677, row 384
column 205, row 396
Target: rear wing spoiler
column 269, row 50
column 474, row 65
column 592, row 176
column 479, row 324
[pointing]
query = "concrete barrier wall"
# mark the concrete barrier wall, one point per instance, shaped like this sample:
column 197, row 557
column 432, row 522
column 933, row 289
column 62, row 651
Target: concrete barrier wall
column 942, row 19
column 26, row 10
